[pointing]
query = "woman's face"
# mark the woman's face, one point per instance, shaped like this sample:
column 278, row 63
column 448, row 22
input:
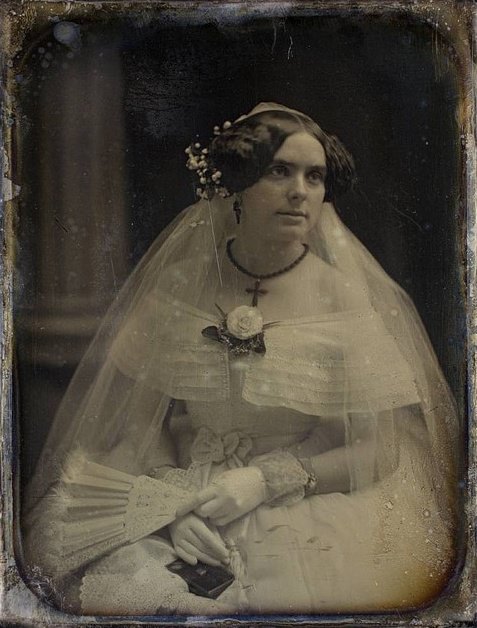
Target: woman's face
column 285, row 204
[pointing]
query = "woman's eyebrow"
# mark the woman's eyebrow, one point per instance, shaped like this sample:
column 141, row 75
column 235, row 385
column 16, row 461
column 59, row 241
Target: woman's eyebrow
column 320, row 168
column 282, row 162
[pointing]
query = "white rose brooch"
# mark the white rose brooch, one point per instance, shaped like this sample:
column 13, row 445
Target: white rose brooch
column 241, row 330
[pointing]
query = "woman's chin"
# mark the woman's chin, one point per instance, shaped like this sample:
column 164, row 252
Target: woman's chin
column 291, row 233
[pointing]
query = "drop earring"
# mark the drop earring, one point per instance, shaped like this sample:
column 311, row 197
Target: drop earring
column 237, row 209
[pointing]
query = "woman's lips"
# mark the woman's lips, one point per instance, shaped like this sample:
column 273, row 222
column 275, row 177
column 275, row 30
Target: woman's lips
column 292, row 217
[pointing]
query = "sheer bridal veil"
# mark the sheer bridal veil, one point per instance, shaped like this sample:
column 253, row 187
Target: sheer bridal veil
column 124, row 387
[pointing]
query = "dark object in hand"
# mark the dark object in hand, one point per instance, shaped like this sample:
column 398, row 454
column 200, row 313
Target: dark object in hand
column 204, row 580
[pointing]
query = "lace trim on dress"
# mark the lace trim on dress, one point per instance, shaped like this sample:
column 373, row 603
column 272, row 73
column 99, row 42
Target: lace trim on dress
column 316, row 369
column 208, row 448
column 284, row 475
column 135, row 581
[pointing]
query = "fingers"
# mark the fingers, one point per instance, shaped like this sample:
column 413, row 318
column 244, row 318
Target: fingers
column 203, row 496
column 193, row 539
column 188, row 558
column 196, row 553
column 210, row 541
column 223, row 520
column 191, row 554
column 210, row 509
column 188, row 507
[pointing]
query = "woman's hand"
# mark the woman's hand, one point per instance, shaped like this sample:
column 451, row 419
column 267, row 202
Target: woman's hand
column 193, row 539
column 232, row 494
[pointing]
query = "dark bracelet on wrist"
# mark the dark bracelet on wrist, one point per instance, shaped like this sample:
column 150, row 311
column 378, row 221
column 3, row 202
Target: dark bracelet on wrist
column 311, row 485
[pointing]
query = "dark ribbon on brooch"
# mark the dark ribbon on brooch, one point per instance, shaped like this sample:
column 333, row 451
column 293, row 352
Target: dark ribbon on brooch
column 236, row 346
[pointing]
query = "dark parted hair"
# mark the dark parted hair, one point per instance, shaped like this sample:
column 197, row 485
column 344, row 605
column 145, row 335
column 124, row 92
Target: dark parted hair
column 245, row 150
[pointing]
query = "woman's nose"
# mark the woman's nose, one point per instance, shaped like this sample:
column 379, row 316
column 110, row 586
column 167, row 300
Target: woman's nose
column 297, row 190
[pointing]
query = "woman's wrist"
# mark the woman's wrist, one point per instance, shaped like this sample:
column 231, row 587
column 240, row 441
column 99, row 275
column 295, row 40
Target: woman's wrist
column 311, row 486
column 259, row 483
column 288, row 479
column 284, row 475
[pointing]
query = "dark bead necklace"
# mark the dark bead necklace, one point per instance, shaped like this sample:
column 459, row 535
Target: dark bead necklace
column 256, row 290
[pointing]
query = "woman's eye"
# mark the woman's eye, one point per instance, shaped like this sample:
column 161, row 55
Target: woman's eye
column 316, row 176
column 278, row 171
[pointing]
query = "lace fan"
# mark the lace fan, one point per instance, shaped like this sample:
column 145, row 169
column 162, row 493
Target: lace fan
column 102, row 509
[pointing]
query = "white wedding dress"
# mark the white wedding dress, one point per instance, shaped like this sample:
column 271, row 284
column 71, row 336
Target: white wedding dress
column 360, row 353
column 381, row 547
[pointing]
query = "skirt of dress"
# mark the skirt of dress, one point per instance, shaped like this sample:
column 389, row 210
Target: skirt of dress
column 383, row 548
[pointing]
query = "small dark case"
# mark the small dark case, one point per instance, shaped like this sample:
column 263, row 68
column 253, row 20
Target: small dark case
column 204, row 580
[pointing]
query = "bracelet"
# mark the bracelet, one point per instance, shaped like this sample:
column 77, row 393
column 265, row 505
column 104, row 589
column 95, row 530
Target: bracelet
column 311, row 485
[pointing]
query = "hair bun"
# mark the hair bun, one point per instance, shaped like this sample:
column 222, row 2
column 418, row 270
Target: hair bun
column 242, row 151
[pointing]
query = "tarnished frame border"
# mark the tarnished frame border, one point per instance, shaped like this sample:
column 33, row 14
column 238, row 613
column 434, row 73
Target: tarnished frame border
column 457, row 21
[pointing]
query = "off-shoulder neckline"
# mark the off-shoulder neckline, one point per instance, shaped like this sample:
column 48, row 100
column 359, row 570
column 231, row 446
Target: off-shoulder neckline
column 299, row 320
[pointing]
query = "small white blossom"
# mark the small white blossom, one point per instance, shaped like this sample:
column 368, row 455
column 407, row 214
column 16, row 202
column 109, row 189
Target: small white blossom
column 244, row 322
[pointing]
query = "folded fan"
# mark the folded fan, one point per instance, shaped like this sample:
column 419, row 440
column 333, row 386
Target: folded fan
column 101, row 509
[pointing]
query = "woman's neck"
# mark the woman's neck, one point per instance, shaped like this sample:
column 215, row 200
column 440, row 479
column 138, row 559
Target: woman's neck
column 264, row 257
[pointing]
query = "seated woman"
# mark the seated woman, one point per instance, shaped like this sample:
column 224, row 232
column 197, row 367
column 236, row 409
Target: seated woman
column 261, row 359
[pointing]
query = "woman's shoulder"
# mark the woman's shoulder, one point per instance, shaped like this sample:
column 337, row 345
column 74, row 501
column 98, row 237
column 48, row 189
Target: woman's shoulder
column 323, row 284
column 317, row 267
column 178, row 272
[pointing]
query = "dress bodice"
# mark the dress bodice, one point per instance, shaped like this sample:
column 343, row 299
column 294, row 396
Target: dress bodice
column 269, row 427
column 320, row 365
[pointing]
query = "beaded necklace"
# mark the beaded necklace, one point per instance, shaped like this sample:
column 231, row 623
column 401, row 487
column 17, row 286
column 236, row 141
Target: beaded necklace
column 256, row 290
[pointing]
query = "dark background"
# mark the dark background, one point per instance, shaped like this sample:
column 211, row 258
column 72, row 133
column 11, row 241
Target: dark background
column 386, row 85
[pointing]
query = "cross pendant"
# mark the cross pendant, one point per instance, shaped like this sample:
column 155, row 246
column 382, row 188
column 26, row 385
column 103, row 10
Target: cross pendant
column 256, row 290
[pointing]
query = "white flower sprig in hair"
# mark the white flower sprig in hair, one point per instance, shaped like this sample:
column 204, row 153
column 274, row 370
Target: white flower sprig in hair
column 209, row 176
